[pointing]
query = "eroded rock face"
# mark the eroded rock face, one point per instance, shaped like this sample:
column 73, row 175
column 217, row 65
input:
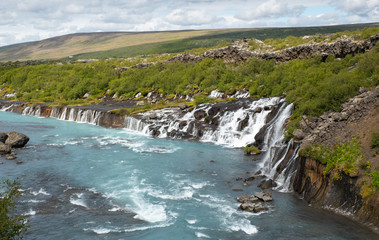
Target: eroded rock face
column 16, row 140
column 342, row 194
column 358, row 117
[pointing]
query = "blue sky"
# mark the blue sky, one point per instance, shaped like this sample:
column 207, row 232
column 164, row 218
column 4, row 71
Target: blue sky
column 31, row 20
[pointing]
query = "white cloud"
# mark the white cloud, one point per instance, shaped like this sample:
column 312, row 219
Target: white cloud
column 191, row 17
column 271, row 9
column 25, row 20
column 357, row 7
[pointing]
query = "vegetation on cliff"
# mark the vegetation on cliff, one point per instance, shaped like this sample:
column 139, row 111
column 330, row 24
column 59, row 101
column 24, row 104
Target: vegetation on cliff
column 347, row 158
column 341, row 157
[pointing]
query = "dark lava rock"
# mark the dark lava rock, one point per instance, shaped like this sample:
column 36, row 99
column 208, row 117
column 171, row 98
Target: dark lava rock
column 16, row 140
column 3, row 137
column 243, row 123
column 257, row 110
column 266, row 184
column 4, row 148
column 237, row 190
column 199, row 114
column 249, row 179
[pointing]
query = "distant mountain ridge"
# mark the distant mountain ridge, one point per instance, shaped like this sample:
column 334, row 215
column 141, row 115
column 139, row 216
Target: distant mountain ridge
column 129, row 44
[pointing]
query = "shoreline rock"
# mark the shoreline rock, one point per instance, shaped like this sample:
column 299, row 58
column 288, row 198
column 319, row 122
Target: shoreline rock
column 9, row 141
column 254, row 203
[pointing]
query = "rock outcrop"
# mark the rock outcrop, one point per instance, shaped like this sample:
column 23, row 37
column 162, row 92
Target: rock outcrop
column 330, row 125
column 358, row 118
column 240, row 51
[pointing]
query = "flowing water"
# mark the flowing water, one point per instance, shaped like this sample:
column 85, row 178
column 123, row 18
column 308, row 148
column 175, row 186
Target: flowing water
column 89, row 182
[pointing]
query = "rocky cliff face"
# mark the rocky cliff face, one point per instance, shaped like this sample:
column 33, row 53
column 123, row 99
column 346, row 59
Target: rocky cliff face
column 359, row 118
column 342, row 196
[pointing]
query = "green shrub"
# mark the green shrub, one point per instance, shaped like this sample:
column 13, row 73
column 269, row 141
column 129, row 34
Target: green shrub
column 200, row 99
column 251, row 150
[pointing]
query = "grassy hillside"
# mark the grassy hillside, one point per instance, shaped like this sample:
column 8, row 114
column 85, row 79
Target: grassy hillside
column 123, row 44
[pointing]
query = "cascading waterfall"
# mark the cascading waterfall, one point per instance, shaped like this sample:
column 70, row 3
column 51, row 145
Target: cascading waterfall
column 61, row 113
column 232, row 124
column 236, row 126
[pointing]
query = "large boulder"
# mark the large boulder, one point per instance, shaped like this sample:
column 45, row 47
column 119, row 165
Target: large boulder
column 16, row 140
column 4, row 149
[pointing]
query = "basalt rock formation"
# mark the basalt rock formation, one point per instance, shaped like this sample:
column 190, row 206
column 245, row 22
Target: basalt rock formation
column 240, row 51
column 358, row 118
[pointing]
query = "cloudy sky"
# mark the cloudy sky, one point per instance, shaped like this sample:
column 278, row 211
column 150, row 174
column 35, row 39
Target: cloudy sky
column 30, row 20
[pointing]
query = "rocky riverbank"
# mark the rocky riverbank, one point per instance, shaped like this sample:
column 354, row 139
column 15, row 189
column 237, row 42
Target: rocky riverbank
column 358, row 118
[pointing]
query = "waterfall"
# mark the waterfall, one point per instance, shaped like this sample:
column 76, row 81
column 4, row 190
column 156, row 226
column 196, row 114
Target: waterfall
column 232, row 124
column 61, row 113
column 32, row 111
column 7, row 108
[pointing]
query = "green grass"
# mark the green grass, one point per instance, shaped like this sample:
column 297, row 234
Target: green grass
column 341, row 157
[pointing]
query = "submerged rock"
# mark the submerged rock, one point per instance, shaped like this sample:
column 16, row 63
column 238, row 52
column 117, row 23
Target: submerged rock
column 11, row 156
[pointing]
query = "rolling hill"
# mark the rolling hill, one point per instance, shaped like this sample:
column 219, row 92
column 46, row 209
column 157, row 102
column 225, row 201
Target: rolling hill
column 129, row 44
